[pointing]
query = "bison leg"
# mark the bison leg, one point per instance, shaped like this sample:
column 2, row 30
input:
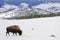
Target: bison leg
column 7, row 33
column 16, row 34
column 13, row 33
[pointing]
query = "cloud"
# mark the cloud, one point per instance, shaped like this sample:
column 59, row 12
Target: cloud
column 24, row 4
column 7, row 7
column 46, row 5
column 23, row 9
column 17, row 10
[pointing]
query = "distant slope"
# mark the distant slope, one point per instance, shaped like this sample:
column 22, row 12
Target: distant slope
column 24, row 11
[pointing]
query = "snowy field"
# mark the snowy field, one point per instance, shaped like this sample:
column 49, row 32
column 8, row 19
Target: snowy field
column 33, row 29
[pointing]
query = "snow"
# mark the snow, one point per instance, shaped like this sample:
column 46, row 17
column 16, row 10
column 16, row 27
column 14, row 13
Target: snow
column 8, row 10
column 33, row 29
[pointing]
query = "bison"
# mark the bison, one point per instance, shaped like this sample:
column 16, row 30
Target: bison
column 13, row 29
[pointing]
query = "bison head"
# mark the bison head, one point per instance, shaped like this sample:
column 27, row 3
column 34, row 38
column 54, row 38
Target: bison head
column 20, row 32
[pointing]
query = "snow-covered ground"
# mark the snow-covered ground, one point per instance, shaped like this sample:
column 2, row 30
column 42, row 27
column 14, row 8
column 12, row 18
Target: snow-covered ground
column 33, row 29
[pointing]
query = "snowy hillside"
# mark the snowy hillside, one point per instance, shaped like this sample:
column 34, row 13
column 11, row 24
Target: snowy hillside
column 9, row 11
column 52, row 7
column 33, row 29
column 22, row 10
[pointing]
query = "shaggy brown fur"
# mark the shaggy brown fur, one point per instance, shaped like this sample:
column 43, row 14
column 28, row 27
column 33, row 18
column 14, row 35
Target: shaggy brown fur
column 13, row 29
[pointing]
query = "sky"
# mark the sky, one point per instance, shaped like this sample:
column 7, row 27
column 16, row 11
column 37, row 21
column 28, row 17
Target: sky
column 30, row 2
